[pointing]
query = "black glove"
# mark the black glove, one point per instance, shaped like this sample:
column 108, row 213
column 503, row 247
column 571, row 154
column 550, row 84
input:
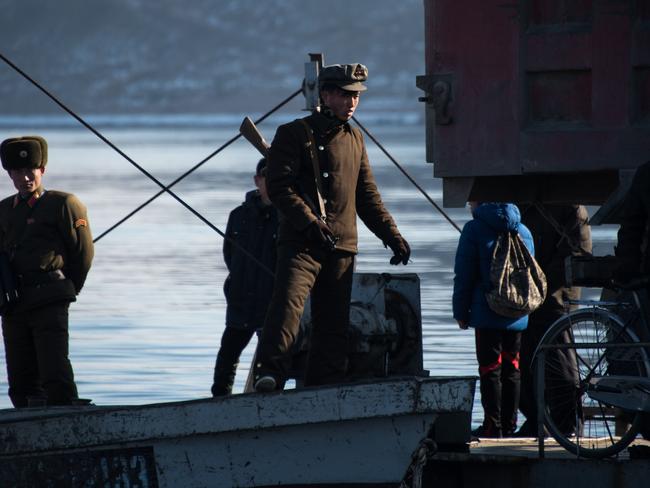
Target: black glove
column 401, row 250
column 320, row 233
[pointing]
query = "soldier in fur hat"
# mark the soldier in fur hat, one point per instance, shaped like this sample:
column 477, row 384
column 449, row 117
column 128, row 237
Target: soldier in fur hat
column 47, row 244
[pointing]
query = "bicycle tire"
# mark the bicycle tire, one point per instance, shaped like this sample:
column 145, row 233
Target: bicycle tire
column 596, row 434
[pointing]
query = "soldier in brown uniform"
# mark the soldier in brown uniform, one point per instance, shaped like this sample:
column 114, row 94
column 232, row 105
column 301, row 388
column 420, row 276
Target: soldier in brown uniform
column 317, row 238
column 46, row 237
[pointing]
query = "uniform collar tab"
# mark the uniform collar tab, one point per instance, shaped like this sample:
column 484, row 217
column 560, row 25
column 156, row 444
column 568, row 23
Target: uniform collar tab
column 32, row 200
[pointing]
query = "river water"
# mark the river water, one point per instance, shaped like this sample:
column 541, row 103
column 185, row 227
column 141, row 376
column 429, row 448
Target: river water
column 147, row 325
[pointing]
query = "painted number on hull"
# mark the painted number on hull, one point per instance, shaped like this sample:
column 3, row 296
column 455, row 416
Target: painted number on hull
column 108, row 468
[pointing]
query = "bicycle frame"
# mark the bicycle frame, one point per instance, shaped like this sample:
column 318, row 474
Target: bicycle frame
column 628, row 393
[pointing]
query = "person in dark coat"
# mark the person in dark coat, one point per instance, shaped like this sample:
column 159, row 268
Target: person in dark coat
column 317, row 238
column 498, row 338
column 563, row 231
column 46, row 239
column 633, row 235
column 633, row 246
column 252, row 226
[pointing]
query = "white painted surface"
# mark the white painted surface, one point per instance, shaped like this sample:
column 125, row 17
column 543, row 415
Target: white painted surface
column 350, row 433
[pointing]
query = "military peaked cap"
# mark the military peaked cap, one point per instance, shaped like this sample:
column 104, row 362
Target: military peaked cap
column 345, row 76
column 23, row 152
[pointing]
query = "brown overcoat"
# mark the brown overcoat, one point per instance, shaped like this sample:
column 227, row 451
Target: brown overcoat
column 349, row 187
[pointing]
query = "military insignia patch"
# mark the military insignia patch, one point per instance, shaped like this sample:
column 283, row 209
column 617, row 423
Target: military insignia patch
column 80, row 223
column 360, row 72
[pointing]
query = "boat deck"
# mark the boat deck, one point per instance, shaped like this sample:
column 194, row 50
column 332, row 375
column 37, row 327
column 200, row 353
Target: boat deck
column 528, row 447
column 515, row 462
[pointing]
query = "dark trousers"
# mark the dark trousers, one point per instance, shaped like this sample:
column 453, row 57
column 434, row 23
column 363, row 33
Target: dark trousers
column 233, row 342
column 36, row 350
column 497, row 352
column 328, row 276
column 561, row 379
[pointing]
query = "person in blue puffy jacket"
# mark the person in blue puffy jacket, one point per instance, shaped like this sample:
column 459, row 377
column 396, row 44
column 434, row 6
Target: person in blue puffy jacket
column 498, row 338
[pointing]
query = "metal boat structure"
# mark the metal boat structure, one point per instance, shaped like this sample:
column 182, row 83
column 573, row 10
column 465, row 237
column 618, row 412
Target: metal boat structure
column 364, row 431
column 359, row 433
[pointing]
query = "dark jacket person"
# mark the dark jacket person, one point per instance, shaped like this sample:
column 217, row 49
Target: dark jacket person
column 317, row 239
column 253, row 227
column 47, row 240
column 561, row 231
column 632, row 247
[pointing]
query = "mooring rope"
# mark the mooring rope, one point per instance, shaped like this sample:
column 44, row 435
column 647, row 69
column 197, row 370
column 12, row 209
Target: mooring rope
column 427, row 448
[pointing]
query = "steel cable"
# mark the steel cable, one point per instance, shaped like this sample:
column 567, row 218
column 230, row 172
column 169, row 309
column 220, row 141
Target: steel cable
column 195, row 167
column 143, row 170
column 405, row 173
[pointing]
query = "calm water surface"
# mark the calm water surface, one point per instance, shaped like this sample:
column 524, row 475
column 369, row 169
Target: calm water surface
column 147, row 325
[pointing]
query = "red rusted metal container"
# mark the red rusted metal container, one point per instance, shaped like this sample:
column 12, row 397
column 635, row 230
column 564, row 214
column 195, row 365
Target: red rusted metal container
column 536, row 100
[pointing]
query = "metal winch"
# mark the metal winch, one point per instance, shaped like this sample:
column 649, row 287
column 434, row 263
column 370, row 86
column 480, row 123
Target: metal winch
column 385, row 334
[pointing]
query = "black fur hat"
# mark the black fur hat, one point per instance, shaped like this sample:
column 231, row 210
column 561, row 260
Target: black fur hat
column 23, row 152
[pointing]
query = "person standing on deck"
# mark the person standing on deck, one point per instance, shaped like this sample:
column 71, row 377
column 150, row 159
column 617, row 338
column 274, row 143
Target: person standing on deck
column 48, row 248
column 498, row 338
column 253, row 226
column 633, row 246
column 571, row 235
column 319, row 179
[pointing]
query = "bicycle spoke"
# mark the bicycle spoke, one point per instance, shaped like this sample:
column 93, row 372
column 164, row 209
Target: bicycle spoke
column 609, row 432
column 584, row 425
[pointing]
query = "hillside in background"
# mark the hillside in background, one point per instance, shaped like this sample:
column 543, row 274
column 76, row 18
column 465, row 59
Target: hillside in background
column 201, row 56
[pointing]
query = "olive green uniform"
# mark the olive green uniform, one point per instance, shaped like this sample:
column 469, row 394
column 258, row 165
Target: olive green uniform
column 304, row 266
column 48, row 240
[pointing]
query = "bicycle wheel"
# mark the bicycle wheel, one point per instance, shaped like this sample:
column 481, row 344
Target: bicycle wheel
column 583, row 425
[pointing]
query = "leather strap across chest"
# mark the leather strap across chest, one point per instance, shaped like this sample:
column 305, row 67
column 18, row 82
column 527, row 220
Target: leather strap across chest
column 310, row 145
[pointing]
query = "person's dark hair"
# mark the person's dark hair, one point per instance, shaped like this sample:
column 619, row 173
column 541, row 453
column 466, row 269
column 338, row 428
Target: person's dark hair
column 261, row 167
column 331, row 87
